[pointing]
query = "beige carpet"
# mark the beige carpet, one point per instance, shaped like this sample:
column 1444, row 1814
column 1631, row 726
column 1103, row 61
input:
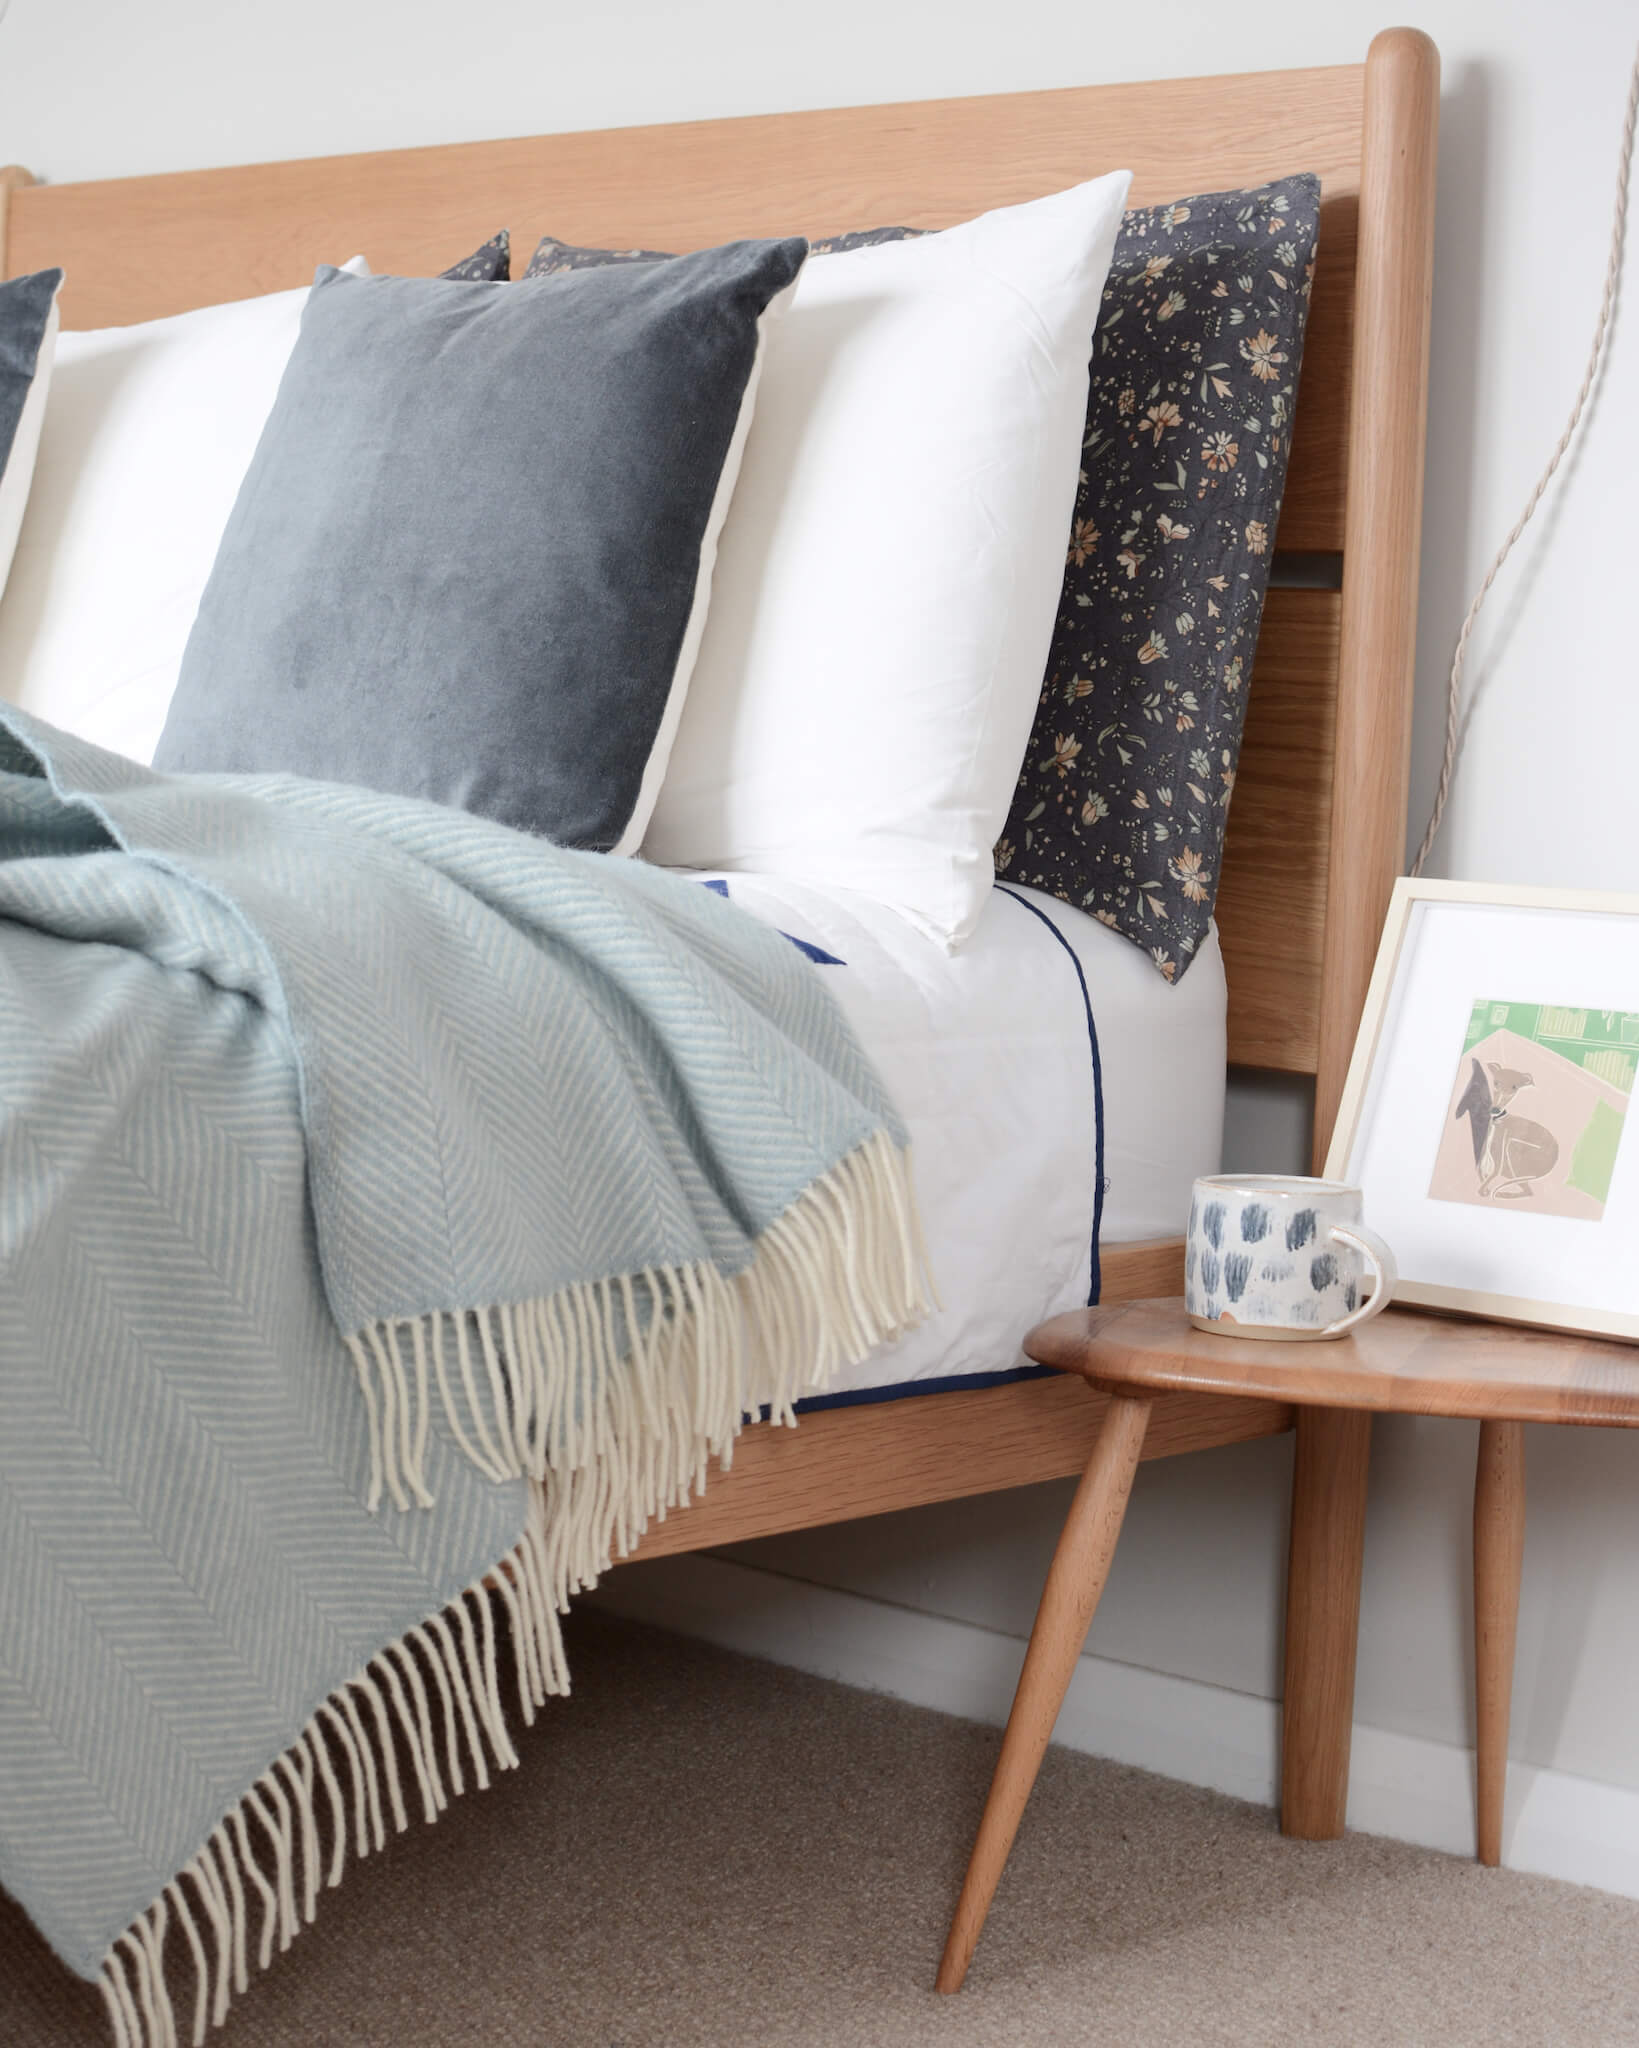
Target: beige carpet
column 701, row 1849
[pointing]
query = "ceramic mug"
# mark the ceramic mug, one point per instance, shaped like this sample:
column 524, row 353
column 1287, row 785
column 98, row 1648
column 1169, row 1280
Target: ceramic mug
column 1281, row 1255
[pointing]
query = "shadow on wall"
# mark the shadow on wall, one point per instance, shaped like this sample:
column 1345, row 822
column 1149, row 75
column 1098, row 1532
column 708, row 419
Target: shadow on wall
column 1269, row 1122
column 1582, row 1531
column 1561, row 1594
column 1468, row 174
column 1466, row 181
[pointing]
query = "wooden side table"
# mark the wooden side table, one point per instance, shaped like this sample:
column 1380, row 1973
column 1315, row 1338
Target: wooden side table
column 1402, row 1363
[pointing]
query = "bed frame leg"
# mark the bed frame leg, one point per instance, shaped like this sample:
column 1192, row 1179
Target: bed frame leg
column 1323, row 1618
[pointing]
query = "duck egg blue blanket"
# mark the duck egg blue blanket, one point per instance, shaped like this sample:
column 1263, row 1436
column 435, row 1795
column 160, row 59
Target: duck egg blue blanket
column 388, row 1200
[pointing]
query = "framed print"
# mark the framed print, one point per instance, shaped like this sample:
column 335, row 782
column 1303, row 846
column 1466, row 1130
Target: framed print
column 1486, row 1112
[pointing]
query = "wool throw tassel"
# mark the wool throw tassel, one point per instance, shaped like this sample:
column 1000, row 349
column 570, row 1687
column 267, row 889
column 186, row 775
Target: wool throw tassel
column 202, row 1975
column 283, row 1841
column 615, row 1416
column 116, row 1995
column 589, row 1375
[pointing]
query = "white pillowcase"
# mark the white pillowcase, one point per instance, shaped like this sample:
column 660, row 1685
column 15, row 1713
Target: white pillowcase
column 147, row 437
column 17, row 462
column 890, row 568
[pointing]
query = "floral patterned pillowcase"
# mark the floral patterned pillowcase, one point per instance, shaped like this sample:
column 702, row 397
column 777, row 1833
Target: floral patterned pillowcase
column 552, row 257
column 1124, row 794
column 492, row 264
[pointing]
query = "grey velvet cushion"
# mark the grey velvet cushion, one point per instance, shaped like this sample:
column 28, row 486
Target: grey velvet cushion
column 27, row 344
column 464, row 561
column 25, row 312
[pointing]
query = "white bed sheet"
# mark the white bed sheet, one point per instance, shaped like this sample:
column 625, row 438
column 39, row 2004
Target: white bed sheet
column 987, row 1054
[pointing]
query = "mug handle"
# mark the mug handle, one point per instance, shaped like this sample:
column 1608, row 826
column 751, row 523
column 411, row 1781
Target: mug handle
column 1382, row 1262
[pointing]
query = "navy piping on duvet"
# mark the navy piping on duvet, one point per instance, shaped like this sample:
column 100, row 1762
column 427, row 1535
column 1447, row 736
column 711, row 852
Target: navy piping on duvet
column 950, row 1383
column 1095, row 1278
column 815, row 953
column 955, row 1382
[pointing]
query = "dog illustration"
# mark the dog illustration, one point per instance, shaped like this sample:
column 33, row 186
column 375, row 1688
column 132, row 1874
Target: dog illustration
column 1510, row 1152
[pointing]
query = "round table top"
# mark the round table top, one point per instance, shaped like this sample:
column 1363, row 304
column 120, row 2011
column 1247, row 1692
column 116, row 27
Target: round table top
column 1404, row 1362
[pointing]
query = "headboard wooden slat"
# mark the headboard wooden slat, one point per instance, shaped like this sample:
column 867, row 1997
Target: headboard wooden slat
column 1311, row 515
column 13, row 178
column 1316, row 834
column 1271, row 907
column 138, row 248
column 162, row 244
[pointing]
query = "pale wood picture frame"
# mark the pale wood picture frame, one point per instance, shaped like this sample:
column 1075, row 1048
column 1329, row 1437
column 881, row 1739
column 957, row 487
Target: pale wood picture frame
column 1372, row 1092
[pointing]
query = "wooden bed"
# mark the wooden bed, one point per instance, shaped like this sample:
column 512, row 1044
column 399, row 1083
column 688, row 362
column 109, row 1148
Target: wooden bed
column 1317, row 832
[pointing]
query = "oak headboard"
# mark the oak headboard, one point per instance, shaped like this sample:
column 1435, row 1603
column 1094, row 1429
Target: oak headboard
column 1317, row 829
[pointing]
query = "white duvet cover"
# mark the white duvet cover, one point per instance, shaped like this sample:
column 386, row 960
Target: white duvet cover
column 987, row 1053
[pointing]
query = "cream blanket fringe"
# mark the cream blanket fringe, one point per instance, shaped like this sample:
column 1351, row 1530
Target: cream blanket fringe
column 612, row 1442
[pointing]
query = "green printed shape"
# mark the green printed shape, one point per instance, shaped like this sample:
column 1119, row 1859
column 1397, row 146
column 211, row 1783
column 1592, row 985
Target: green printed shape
column 1600, row 1031
column 1613, row 1067
column 1479, row 1023
column 1491, row 1014
column 1594, row 1158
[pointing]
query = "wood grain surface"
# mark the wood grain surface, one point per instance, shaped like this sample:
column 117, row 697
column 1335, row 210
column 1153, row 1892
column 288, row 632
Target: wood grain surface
column 1326, row 1555
column 1383, row 515
column 1403, row 1362
column 872, row 1459
column 877, row 1456
column 1140, row 1270
column 1075, row 1584
column 1272, row 904
column 137, row 248
column 13, row 178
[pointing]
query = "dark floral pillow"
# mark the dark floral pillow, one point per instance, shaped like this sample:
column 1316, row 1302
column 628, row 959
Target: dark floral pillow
column 1124, row 794
column 552, row 257
column 492, row 264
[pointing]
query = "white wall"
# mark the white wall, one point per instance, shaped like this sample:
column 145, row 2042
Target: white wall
column 1549, row 790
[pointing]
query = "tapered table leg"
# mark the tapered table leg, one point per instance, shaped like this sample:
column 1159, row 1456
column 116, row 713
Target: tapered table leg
column 1075, row 1580
column 1499, row 1551
column 1323, row 1619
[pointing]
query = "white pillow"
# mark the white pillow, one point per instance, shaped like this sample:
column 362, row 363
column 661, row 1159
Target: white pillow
column 17, row 458
column 147, row 437
column 890, row 568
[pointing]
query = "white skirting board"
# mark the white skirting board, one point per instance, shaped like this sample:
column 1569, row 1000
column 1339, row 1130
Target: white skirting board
column 1403, row 1786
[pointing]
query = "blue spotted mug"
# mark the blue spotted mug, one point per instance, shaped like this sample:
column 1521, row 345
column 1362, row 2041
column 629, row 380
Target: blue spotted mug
column 1282, row 1255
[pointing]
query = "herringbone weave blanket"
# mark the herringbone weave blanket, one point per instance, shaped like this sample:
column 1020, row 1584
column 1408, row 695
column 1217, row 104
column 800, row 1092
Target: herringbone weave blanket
column 388, row 1202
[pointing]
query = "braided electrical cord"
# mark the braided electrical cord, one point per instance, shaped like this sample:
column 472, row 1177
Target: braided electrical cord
column 1613, row 271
